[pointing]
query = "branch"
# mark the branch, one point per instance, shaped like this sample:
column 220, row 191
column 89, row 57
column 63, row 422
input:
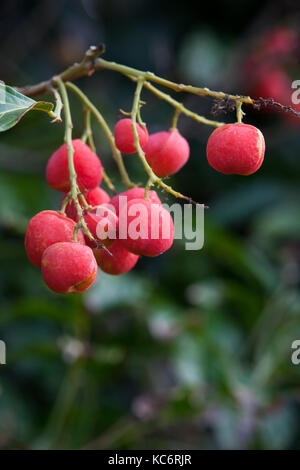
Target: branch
column 91, row 62
column 85, row 67
column 153, row 178
column 88, row 136
column 103, row 124
column 74, row 190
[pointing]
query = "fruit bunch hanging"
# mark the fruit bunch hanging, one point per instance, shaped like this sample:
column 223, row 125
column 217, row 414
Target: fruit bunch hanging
column 87, row 231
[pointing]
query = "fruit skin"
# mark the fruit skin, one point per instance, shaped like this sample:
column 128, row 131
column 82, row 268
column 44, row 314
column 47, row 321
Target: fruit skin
column 167, row 152
column 236, row 149
column 68, row 267
column 120, row 262
column 150, row 228
column 134, row 193
column 94, row 197
column 45, row 229
column 103, row 223
column 87, row 166
column 124, row 137
column 279, row 42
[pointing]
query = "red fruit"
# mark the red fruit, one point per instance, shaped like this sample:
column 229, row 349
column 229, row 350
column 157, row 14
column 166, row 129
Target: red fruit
column 167, row 152
column 124, row 138
column 149, row 230
column 134, row 193
column 271, row 83
column 68, row 267
column 120, row 262
column 95, row 197
column 102, row 222
column 280, row 42
column 236, row 149
column 87, row 165
column 45, row 229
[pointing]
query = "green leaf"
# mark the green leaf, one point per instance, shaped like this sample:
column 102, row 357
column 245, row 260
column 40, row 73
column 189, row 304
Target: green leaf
column 14, row 105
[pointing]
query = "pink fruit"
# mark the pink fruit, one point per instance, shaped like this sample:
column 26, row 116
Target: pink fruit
column 271, row 83
column 149, row 230
column 94, row 197
column 87, row 166
column 236, row 149
column 45, row 229
column 120, row 262
column 134, row 193
column 124, row 137
column 68, row 267
column 167, row 152
column 280, row 42
column 102, row 222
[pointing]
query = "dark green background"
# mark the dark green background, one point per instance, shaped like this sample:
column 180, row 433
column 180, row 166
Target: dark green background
column 191, row 349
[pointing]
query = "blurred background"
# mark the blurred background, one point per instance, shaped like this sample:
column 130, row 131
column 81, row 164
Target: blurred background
column 190, row 350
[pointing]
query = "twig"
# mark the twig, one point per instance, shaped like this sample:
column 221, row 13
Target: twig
column 153, row 178
column 88, row 135
column 74, row 190
column 103, row 124
column 91, row 62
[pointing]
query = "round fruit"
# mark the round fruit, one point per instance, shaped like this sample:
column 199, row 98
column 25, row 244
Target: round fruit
column 45, row 229
column 94, row 197
column 271, row 82
column 124, row 137
column 120, row 262
column 134, row 193
column 236, row 149
column 68, row 267
column 149, row 230
column 102, row 222
column 87, row 166
column 167, row 152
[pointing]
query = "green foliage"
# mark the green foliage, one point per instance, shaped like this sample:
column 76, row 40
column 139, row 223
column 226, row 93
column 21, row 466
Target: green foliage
column 14, row 105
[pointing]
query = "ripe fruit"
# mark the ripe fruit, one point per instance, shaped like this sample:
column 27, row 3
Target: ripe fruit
column 124, row 137
column 95, row 197
column 87, row 166
column 149, row 230
column 271, row 83
column 120, row 262
column 45, row 229
column 68, row 267
column 102, row 222
column 236, row 149
column 279, row 42
column 167, row 152
column 134, row 193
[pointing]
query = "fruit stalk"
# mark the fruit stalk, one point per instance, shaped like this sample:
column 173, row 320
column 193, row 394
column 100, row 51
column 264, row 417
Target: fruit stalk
column 153, row 178
column 103, row 124
column 88, row 136
column 91, row 63
column 74, row 190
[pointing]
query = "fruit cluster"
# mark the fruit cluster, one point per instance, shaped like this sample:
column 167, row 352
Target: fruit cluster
column 68, row 255
column 266, row 70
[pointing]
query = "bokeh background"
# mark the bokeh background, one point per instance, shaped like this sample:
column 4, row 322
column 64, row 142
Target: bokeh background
column 191, row 350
